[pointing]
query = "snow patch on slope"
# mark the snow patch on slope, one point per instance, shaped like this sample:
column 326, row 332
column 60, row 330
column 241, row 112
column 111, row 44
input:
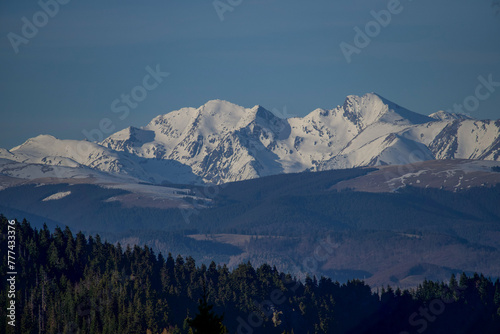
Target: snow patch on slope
column 57, row 196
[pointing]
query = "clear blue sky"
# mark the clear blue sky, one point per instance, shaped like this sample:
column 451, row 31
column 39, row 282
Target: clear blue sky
column 276, row 53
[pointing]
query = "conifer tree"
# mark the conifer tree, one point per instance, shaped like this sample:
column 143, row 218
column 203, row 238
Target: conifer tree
column 206, row 321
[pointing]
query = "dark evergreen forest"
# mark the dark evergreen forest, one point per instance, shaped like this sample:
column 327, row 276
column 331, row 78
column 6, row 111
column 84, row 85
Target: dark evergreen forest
column 68, row 283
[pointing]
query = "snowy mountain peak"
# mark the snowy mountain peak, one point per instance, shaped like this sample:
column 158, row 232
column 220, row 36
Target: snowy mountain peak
column 35, row 141
column 364, row 110
column 213, row 107
column 371, row 108
column 263, row 113
column 219, row 102
column 222, row 142
column 448, row 116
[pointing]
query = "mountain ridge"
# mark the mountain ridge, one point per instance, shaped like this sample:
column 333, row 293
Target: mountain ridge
column 222, row 142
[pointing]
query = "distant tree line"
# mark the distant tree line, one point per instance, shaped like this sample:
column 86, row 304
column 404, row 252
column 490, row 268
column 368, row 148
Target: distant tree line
column 76, row 284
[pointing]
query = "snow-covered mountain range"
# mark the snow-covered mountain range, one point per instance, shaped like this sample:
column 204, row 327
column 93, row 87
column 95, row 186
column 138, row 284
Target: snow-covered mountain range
column 222, row 142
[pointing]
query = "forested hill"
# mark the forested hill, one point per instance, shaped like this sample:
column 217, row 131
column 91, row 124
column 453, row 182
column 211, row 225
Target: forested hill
column 68, row 283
